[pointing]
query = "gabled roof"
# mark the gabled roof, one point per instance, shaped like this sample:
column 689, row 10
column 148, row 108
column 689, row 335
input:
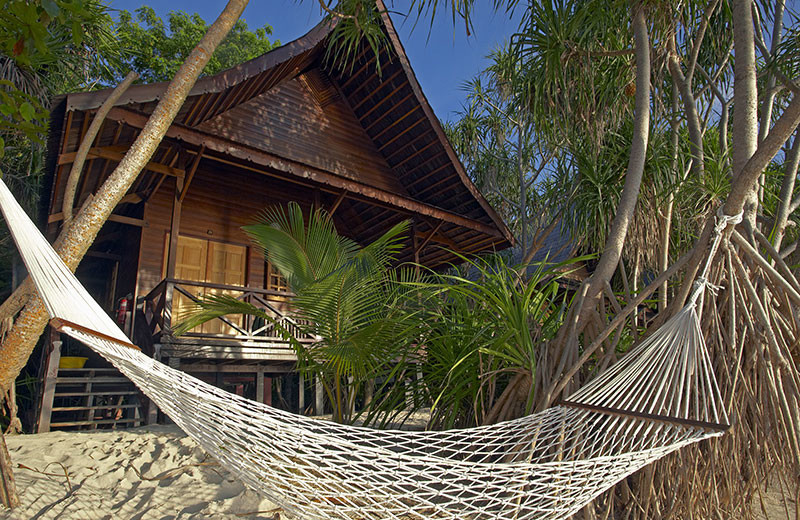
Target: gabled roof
column 392, row 113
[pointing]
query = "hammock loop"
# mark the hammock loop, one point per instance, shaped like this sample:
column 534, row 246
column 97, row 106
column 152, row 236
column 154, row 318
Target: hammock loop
column 723, row 222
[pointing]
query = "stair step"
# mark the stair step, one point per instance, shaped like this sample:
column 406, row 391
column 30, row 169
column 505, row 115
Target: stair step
column 82, row 394
column 90, row 423
column 83, row 370
column 98, row 380
column 87, row 408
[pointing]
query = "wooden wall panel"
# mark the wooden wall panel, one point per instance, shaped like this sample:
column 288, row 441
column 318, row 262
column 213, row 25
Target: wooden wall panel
column 289, row 122
column 218, row 203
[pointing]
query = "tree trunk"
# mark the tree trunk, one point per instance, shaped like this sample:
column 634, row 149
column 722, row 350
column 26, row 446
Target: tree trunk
column 18, row 345
column 86, row 145
column 787, row 190
column 666, row 229
column 633, row 176
column 745, row 100
column 8, row 488
column 22, row 293
column 684, row 85
column 777, row 33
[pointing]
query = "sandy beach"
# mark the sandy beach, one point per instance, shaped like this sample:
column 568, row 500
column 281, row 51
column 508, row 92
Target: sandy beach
column 139, row 474
column 148, row 473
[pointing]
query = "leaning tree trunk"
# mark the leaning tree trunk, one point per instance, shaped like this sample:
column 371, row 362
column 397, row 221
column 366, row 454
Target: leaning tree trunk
column 18, row 345
column 745, row 101
column 17, row 300
column 584, row 306
column 633, row 176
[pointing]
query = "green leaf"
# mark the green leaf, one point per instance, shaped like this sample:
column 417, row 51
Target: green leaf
column 2, row 147
column 51, row 8
column 27, row 111
column 7, row 110
column 77, row 33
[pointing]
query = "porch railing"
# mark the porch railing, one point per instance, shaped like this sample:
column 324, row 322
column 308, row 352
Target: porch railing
column 159, row 305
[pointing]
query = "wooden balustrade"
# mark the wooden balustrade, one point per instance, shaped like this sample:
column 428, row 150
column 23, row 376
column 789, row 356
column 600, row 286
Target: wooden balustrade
column 159, row 305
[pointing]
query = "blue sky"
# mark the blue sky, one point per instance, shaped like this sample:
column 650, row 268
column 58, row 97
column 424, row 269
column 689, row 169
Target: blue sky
column 442, row 62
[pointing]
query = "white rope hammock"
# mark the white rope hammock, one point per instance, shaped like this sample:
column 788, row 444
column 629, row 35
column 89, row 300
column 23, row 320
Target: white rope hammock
column 658, row 398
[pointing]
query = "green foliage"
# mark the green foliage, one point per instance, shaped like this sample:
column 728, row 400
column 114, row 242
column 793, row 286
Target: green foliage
column 21, row 113
column 478, row 330
column 577, row 93
column 158, row 49
column 343, row 297
column 355, row 20
column 54, row 46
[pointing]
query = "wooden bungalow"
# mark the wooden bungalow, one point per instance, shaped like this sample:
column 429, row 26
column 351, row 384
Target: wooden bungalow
column 286, row 126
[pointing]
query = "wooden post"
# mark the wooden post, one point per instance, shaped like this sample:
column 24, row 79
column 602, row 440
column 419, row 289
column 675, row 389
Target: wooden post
column 90, row 400
column 301, row 392
column 172, row 252
column 49, row 390
column 260, row 386
column 319, row 403
column 268, row 391
column 152, row 409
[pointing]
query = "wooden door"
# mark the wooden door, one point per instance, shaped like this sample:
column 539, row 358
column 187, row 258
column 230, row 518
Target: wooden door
column 199, row 260
column 226, row 266
column 190, row 264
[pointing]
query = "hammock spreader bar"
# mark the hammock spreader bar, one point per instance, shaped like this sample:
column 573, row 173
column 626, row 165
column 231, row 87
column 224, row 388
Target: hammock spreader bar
column 61, row 325
column 704, row 425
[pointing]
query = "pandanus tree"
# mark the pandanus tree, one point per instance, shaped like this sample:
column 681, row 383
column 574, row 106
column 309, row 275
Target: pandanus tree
column 343, row 297
column 611, row 92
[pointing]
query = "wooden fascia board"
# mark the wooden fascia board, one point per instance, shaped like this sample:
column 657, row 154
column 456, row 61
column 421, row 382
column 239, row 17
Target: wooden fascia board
column 209, row 84
column 303, row 171
column 437, row 127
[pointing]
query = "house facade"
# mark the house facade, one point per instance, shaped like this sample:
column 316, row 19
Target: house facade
column 290, row 125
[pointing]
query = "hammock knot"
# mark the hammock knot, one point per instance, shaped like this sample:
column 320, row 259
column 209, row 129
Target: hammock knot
column 723, row 220
column 704, row 283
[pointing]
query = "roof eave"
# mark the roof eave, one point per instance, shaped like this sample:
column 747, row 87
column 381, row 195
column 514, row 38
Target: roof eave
column 209, row 84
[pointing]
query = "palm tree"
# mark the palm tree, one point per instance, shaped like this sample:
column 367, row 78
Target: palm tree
column 343, row 298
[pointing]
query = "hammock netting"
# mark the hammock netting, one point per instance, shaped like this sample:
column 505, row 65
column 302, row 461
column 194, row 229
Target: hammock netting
column 660, row 397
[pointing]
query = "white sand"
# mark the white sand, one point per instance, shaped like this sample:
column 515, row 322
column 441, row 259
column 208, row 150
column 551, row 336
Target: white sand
column 175, row 480
column 150, row 473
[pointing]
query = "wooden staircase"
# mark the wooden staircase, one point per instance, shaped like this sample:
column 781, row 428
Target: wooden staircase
column 87, row 398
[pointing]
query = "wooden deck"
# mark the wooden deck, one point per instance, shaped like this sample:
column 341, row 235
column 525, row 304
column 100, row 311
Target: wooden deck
column 227, row 337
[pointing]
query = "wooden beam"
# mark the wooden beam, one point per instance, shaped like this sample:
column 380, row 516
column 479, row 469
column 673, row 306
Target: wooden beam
column 235, row 368
column 191, row 172
column 431, row 235
column 131, row 198
column 305, row 174
column 679, row 421
column 131, row 221
column 375, row 91
column 397, row 122
column 383, row 114
column 408, row 157
column 112, row 153
column 60, row 324
column 338, row 201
